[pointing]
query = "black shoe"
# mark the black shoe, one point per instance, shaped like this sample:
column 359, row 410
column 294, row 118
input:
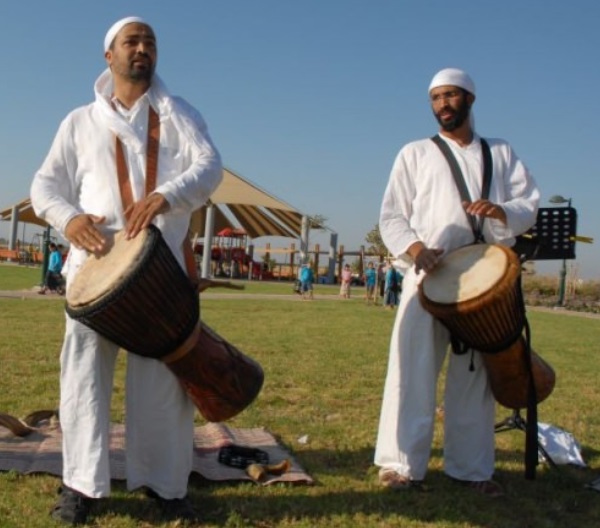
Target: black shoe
column 174, row 509
column 72, row 507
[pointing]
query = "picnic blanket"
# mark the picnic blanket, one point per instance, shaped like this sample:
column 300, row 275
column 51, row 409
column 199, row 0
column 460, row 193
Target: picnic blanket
column 40, row 451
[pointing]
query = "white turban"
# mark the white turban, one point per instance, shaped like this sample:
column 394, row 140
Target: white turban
column 117, row 26
column 452, row 77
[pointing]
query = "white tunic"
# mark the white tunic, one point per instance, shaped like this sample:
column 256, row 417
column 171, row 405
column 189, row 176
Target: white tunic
column 421, row 203
column 79, row 173
column 79, row 176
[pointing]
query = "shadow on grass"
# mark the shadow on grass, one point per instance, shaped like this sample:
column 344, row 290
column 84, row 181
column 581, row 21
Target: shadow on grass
column 346, row 493
column 556, row 497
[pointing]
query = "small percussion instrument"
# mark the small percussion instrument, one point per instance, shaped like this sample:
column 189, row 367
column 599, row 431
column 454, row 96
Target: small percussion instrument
column 475, row 292
column 138, row 296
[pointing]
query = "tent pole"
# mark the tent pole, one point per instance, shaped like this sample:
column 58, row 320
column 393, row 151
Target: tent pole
column 305, row 229
column 209, row 228
column 332, row 253
column 14, row 224
column 46, row 254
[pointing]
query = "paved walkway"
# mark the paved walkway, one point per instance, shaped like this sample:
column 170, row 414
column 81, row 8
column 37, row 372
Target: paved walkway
column 33, row 294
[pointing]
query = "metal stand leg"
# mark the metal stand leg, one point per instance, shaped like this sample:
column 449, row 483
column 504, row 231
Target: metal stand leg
column 516, row 421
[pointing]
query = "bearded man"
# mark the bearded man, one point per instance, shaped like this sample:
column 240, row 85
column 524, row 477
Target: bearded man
column 423, row 217
column 77, row 191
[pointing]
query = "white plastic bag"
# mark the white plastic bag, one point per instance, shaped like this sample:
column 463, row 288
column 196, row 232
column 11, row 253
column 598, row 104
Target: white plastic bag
column 560, row 445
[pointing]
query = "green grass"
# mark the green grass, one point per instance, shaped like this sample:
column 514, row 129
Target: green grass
column 14, row 277
column 325, row 364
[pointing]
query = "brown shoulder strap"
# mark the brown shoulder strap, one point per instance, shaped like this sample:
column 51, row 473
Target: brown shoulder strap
column 151, row 173
column 123, row 175
column 151, row 161
column 190, row 261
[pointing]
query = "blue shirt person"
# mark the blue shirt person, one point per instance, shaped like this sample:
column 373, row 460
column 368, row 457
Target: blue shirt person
column 307, row 278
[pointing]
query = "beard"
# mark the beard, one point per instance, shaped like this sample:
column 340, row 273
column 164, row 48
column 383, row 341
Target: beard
column 136, row 69
column 137, row 74
column 459, row 116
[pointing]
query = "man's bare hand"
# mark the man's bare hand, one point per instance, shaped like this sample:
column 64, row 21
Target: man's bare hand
column 142, row 213
column 425, row 259
column 486, row 209
column 81, row 231
column 428, row 259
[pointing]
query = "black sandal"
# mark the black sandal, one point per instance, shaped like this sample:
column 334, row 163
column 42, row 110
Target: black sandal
column 72, row 507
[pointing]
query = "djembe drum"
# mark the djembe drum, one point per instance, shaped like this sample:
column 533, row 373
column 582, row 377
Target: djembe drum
column 138, row 296
column 475, row 292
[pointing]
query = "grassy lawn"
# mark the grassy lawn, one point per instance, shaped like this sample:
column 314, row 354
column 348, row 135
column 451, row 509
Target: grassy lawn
column 325, row 364
column 14, row 277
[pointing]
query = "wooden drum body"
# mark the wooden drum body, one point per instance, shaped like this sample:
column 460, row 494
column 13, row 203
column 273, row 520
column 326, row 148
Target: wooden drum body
column 509, row 375
column 475, row 292
column 138, row 296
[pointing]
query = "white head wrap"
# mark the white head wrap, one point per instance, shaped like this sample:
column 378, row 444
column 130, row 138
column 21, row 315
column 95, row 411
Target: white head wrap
column 117, row 26
column 452, row 77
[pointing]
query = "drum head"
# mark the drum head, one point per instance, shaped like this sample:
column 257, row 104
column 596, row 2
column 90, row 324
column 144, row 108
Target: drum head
column 99, row 275
column 466, row 273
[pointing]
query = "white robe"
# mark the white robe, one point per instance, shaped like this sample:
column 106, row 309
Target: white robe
column 79, row 176
column 421, row 203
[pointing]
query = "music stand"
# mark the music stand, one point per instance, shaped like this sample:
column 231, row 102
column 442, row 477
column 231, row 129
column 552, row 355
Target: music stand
column 516, row 421
column 551, row 238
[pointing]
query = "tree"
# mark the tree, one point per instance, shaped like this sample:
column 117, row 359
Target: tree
column 377, row 247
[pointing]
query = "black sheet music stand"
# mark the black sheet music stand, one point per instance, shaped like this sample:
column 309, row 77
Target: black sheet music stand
column 551, row 238
column 516, row 421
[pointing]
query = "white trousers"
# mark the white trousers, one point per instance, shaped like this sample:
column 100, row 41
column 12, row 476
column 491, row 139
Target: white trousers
column 418, row 348
column 159, row 419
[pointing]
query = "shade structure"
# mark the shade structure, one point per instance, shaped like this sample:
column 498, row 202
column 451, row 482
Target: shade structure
column 25, row 213
column 240, row 203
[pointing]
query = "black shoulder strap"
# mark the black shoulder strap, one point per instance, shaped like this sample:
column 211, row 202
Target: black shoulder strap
column 476, row 226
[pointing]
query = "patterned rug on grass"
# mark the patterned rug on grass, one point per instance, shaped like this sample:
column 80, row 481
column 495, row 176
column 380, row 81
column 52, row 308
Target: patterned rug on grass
column 39, row 451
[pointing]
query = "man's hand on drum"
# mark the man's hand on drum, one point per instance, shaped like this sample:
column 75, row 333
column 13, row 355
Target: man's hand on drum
column 425, row 259
column 486, row 209
column 81, row 231
column 141, row 214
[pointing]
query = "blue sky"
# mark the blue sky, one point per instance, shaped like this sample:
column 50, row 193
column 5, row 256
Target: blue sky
column 312, row 99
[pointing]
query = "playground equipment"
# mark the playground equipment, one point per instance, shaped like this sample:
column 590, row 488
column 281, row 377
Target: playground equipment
column 228, row 254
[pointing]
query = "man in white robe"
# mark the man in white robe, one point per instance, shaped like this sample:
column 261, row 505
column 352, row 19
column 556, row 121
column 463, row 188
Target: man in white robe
column 422, row 218
column 77, row 191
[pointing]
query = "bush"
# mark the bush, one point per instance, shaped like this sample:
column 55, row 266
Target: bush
column 580, row 295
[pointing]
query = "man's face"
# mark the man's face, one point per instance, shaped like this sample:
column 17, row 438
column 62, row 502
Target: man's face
column 451, row 106
column 132, row 55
